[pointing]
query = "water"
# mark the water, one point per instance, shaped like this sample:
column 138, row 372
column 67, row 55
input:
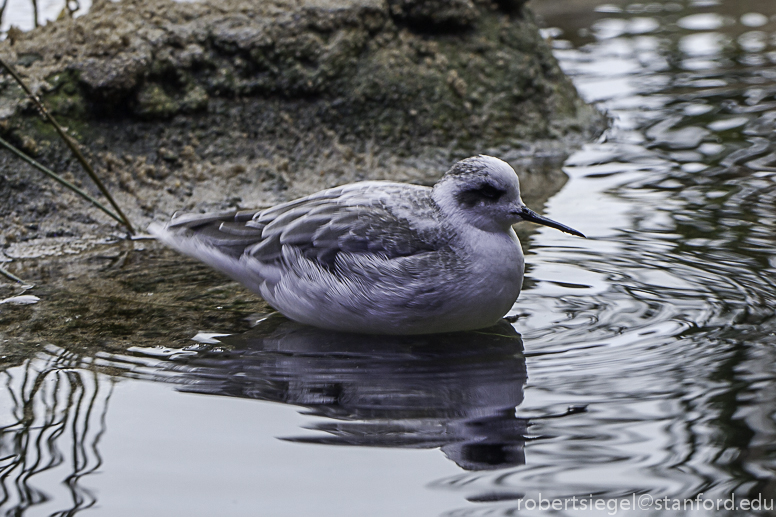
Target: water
column 644, row 362
column 20, row 13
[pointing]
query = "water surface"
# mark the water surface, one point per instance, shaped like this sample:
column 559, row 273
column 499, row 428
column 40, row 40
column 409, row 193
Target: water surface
column 641, row 360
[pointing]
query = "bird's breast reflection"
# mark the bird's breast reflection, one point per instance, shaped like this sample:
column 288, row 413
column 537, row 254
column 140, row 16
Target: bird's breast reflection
column 455, row 391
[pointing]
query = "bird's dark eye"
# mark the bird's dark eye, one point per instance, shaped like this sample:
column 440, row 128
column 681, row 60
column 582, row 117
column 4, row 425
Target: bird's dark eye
column 488, row 191
column 485, row 193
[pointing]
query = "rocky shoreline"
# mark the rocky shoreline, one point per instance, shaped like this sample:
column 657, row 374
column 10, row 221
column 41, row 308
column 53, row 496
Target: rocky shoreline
column 193, row 106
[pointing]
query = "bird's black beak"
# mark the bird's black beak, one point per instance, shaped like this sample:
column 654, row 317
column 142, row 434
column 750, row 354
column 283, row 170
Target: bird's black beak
column 526, row 214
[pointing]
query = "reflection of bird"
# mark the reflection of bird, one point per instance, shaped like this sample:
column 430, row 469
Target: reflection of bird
column 457, row 391
column 378, row 257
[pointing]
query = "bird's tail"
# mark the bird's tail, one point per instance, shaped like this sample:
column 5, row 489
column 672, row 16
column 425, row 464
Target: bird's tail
column 188, row 243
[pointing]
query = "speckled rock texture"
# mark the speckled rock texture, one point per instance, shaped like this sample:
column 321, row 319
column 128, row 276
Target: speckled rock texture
column 211, row 105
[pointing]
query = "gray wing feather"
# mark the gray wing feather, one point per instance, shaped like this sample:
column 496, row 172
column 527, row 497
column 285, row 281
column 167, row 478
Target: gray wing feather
column 239, row 229
column 270, row 214
column 279, row 224
column 194, row 220
column 302, row 230
column 321, row 226
column 265, row 250
column 245, row 215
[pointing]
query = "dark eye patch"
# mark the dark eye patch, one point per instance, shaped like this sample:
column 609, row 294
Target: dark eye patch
column 485, row 193
column 488, row 191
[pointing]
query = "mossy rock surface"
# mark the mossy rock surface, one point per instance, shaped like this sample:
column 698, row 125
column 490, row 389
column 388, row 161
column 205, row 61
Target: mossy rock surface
column 203, row 106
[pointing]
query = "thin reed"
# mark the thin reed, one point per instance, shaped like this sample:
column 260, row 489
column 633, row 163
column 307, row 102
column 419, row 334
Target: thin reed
column 60, row 179
column 11, row 276
column 73, row 146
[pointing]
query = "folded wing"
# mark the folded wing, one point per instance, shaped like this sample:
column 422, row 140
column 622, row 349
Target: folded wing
column 361, row 218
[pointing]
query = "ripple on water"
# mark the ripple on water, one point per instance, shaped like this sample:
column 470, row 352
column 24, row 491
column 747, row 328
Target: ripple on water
column 662, row 323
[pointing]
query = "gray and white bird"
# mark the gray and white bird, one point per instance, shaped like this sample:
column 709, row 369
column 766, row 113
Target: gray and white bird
column 377, row 257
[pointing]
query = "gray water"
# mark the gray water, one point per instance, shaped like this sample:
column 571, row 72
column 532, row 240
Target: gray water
column 641, row 362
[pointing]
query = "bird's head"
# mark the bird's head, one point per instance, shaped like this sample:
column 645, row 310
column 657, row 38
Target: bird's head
column 484, row 192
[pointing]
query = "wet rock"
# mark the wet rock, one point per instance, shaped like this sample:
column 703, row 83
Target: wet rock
column 434, row 13
column 254, row 103
column 111, row 80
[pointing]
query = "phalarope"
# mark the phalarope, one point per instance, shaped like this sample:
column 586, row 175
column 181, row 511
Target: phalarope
column 377, row 257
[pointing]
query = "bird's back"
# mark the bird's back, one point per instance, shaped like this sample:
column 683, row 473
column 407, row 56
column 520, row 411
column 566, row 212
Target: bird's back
column 390, row 219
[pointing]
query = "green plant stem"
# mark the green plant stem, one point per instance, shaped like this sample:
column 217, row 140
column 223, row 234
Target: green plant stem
column 72, row 145
column 2, row 9
column 11, row 276
column 35, row 12
column 60, row 179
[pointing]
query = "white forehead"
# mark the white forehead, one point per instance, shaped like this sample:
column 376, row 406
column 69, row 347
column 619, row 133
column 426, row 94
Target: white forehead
column 497, row 168
column 472, row 171
column 499, row 172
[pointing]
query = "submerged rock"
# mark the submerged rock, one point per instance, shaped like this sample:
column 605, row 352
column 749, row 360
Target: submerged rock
column 197, row 106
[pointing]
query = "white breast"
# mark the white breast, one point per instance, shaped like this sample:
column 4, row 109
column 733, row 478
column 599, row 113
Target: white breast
column 495, row 276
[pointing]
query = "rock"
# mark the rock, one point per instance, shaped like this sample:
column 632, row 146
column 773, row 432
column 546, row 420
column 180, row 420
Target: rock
column 111, row 81
column 434, row 14
column 294, row 95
